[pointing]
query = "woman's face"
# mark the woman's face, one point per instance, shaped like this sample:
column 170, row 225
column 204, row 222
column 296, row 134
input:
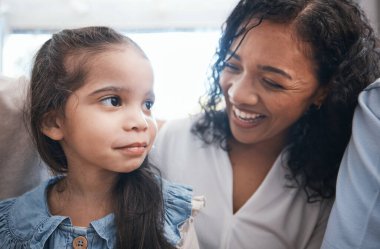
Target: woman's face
column 268, row 84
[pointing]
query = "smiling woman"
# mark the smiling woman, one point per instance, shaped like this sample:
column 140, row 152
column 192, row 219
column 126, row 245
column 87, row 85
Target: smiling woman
column 266, row 148
column 260, row 82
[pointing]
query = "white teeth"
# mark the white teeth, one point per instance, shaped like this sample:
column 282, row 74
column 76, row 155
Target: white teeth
column 244, row 115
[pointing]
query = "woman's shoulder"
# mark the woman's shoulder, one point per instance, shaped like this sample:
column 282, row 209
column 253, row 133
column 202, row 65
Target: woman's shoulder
column 180, row 125
column 180, row 208
column 176, row 134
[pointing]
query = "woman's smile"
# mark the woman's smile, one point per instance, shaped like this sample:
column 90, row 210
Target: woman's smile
column 246, row 119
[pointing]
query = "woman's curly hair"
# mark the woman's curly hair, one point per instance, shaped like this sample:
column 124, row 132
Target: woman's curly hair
column 343, row 46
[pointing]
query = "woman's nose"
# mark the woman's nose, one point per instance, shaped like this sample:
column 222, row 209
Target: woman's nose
column 242, row 91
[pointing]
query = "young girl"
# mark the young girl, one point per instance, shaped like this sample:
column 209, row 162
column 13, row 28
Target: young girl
column 90, row 103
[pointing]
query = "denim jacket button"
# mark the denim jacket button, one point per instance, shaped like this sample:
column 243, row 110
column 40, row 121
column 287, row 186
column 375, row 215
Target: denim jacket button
column 80, row 242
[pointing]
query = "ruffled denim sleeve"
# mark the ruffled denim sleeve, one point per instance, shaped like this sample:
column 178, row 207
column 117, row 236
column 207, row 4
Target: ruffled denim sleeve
column 7, row 239
column 180, row 208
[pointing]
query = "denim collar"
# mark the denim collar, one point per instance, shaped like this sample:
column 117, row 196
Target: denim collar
column 30, row 222
column 30, row 219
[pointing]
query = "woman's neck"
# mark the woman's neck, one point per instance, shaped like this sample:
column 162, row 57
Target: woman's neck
column 250, row 165
column 269, row 149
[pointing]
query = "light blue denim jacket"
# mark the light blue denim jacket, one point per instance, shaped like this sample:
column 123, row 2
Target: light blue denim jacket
column 354, row 222
column 25, row 222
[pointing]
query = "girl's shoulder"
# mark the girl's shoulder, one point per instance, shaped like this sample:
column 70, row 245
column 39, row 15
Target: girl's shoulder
column 24, row 218
column 6, row 235
column 16, row 225
column 180, row 207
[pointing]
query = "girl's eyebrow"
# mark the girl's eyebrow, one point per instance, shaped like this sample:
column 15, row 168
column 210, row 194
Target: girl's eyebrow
column 109, row 89
column 117, row 89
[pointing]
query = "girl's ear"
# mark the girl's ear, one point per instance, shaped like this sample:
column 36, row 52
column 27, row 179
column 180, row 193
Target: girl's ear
column 52, row 126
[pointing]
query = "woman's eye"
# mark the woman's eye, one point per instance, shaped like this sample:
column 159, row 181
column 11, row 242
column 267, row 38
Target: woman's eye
column 148, row 104
column 230, row 66
column 273, row 84
column 111, row 101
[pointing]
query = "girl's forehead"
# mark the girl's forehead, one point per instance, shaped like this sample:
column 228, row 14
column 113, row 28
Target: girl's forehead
column 127, row 68
column 84, row 59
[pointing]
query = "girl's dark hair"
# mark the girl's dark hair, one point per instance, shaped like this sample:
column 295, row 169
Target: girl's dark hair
column 60, row 67
column 337, row 37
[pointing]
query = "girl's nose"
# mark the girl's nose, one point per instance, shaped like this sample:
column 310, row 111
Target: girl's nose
column 137, row 121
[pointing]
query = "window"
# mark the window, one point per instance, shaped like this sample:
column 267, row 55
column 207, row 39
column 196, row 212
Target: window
column 180, row 61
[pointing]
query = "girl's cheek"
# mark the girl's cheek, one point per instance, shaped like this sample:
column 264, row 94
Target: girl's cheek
column 153, row 127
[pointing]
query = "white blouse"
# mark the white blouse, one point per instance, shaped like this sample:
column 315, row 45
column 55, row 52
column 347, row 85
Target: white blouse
column 275, row 216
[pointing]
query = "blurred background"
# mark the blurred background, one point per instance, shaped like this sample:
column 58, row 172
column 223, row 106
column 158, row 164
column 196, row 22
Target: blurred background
column 179, row 37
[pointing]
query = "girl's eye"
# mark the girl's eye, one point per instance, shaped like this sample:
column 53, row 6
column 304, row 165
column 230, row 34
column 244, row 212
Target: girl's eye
column 273, row 84
column 111, row 101
column 148, row 104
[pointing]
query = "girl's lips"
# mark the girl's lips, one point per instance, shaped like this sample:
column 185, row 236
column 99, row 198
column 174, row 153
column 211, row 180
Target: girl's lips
column 134, row 149
column 136, row 145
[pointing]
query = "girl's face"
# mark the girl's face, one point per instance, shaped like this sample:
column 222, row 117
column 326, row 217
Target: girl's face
column 108, row 122
column 268, row 85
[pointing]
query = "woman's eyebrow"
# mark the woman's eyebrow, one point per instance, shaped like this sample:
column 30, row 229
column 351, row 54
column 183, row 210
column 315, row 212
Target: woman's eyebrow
column 231, row 54
column 262, row 67
column 274, row 70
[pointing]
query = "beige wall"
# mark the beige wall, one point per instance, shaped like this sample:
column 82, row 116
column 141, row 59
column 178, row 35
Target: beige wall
column 372, row 8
